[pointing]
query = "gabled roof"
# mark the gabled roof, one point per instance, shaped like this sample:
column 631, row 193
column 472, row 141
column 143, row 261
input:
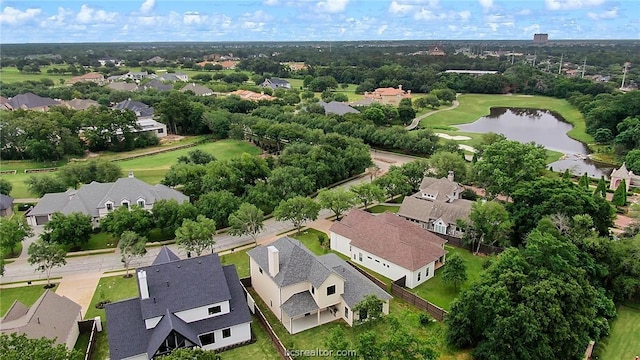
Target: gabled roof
column 89, row 198
column 391, row 237
column 5, row 202
column 297, row 263
column 87, row 77
column 441, row 188
column 415, row 207
column 51, row 316
column 197, row 89
column 621, row 172
column 81, row 104
column 157, row 85
column 30, row 101
column 185, row 284
column 299, row 304
column 122, row 86
column 168, row 324
column 335, row 107
column 165, row 256
column 141, row 109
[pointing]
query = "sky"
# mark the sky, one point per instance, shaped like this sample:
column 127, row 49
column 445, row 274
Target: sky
column 64, row 21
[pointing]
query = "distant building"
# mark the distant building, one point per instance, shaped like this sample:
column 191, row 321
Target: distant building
column 276, row 83
column 388, row 96
column 93, row 77
column 540, row 39
column 436, row 50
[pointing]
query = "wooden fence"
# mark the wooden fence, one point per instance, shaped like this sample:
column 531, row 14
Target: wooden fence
column 437, row 312
column 484, row 249
column 91, row 327
column 282, row 350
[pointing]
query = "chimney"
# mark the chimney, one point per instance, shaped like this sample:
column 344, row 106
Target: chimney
column 450, row 176
column 274, row 260
column 131, row 174
column 144, row 288
column 400, row 87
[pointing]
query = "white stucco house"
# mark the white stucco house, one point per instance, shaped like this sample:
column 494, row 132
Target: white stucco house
column 304, row 290
column 389, row 245
column 99, row 199
column 194, row 302
column 437, row 206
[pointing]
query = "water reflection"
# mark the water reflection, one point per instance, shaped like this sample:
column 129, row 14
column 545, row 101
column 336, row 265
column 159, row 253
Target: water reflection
column 542, row 127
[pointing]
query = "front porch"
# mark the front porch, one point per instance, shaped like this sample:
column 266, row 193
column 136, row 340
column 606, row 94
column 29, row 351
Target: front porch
column 310, row 320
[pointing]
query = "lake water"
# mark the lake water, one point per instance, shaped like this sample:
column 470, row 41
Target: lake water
column 542, row 127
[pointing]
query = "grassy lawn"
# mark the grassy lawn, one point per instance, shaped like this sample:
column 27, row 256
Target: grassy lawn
column 309, row 238
column 474, row 106
column 263, row 348
column 378, row 209
column 150, row 169
column 441, row 293
column 240, row 259
column 12, row 75
column 25, row 294
column 113, row 288
column 624, row 340
column 99, row 241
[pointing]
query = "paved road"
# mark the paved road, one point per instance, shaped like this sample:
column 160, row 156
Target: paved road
column 415, row 122
column 20, row 270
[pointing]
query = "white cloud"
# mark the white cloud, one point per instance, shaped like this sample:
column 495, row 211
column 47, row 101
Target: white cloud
column 59, row 18
column 486, row 4
column 252, row 25
column 147, row 6
column 407, row 6
column 609, row 14
column 524, row 12
column 89, row 15
column 397, row 8
column 13, row 16
column 426, row 14
column 331, row 6
column 257, row 15
column 193, row 18
column 382, row 29
column 465, row 15
column 271, row 2
column 571, row 4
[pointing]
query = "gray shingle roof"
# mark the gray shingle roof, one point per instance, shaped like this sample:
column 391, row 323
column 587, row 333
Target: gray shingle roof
column 167, row 324
column 338, row 108
column 165, row 256
column 30, row 101
column 299, row 304
column 126, row 329
column 356, row 285
column 121, row 86
column 141, row 109
column 415, row 207
column 5, row 202
column 297, row 263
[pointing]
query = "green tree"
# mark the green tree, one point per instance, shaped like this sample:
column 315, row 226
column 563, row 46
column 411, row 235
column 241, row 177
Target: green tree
column 442, row 162
column 414, row 171
column 490, row 222
column 338, row 343
column 123, row 219
column 402, row 344
column 336, row 200
column 46, row 256
column 368, row 309
column 394, row 183
column 218, row 205
column 196, row 235
column 131, row 245
column 290, row 181
column 368, row 193
column 368, row 346
column 75, row 174
column 505, row 164
column 5, row 187
column 169, row 214
column 601, row 189
column 44, row 184
column 584, row 181
column 431, row 101
column 632, row 159
column 13, row 231
column 455, row 271
column 247, row 220
column 298, row 210
column 620, row 194
column 18, row 346
column 73, row 229
column 196, row 156
column 191, row 354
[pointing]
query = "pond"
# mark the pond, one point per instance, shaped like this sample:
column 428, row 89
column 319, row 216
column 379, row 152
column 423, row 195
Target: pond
column 542, row 127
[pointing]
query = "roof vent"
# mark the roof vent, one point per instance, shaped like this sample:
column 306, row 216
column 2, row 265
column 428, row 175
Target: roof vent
column 167, row 284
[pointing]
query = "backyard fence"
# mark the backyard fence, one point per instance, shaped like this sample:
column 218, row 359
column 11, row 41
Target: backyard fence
column 484, row 249
column 91, row 327
column 282, row 350
column 437, row 312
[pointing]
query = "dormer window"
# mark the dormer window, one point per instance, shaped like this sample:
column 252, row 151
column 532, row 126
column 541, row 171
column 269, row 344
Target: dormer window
column 125, row 203
column 109, row 206
column 141, row 203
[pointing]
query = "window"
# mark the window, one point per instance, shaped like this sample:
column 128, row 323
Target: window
column 346, row 312
column 313, row 290
column 419, row 273
column 426, row 272
column 215, row 310
column 160, row 131
column 125, row 204
column 439, row 228
column 331, row 290
column 368, row 257
column 260, row 270
column 141, row 203
column 109, row 206
column 226, row 333
column 360, row 256
column 207, row 339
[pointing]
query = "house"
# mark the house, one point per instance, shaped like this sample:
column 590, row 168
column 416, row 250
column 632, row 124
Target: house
column 437, row 206
column 80, row 104
column 142, row 110
column 151, row 126
column 388, row 96
column 617, row 175
column 389, row 245
column 436, row 50
column 228, row 64
column 199, row 90
column 99, row 199
column 6, row 205
column 296, row 66
column 93, row 77
column 251, row 95
column 276, row 83
column 114, row 61
column 52, row 316
column 4, row 103
column 156, row 60
column 137, row 76
column 123, row 86
column 156, row 84
column 338, row 108
column 304, row 290
column 194, row 302
column 31, row 101
column 173, row 77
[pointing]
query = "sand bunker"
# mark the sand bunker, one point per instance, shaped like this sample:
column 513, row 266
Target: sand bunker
column 457, row 137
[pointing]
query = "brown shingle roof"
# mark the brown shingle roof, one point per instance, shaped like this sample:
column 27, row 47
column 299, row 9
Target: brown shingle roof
column 391, row 237
column 415, row 207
